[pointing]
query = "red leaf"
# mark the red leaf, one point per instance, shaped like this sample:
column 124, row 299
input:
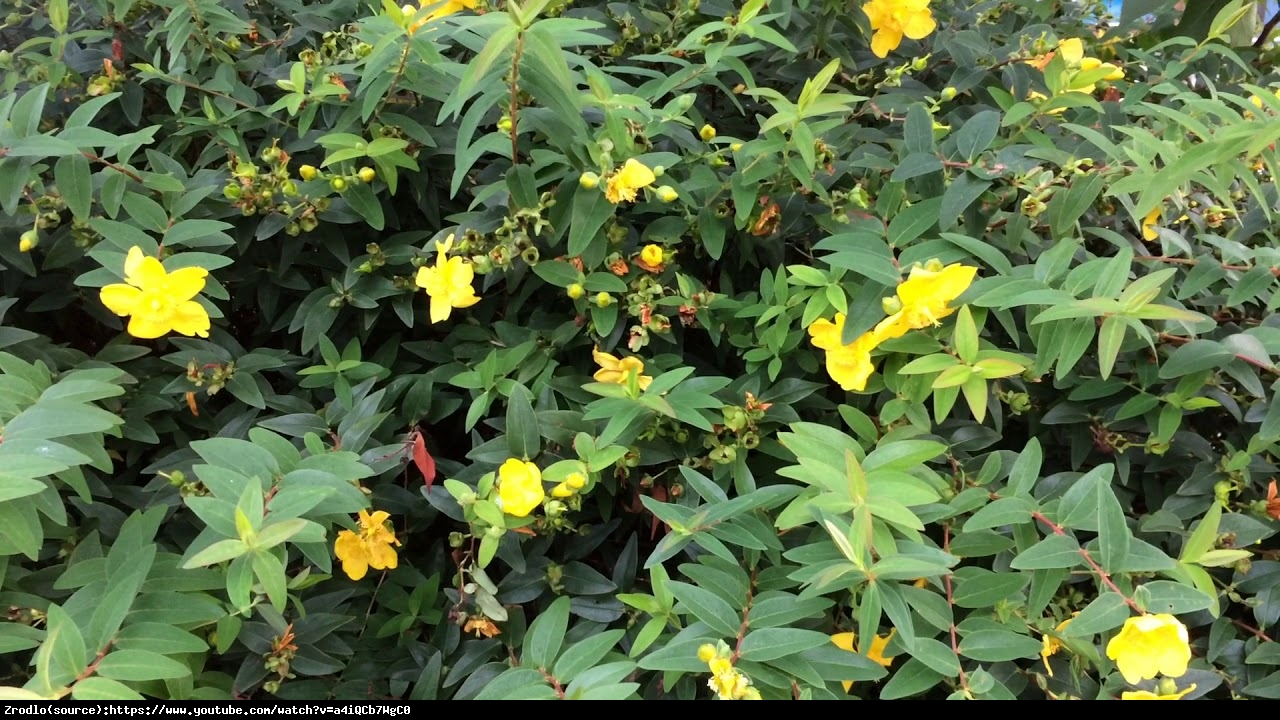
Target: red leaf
column 426, row 464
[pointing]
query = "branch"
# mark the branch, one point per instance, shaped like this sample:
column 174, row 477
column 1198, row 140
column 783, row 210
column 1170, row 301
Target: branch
column 514, row 106
column 946, row 581
column 1102, row 574
column 1266, row 30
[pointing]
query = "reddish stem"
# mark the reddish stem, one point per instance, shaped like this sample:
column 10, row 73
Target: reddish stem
column 946, row 582
column 1102, row 574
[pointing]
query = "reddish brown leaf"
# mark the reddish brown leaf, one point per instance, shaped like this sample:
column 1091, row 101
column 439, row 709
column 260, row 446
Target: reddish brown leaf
column 426, row 464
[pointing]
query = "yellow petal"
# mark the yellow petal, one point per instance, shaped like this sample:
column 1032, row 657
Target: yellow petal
column 845, row 640
column 604, row 360
column 190, row 318
column 376, row 519
column 120, row 299
column 185, row 283
column 132, row 261
column 145, row 327
column 884, row 41
column 1149, row 225
column 1072, row 51
column 382, row 557
column 608, row 376
column 918, row 25
column 147, row 274
column 440, row 308
column 636, row 174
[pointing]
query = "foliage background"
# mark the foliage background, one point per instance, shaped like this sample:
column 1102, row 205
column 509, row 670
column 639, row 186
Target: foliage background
column 1144, row 424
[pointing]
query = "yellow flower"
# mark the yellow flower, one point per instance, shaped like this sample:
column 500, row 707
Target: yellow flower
column 158, row 301
column 1051, row 645
column 371, row 548
column 893, row 19
column 448, row 284
column 448, row 7
column 651, row 255
column 825, row 334
column 849, row 365
column 1072, row 50
column 1148, row 645
column 1091, row 63
column 926, row 296
column 519, row 487
column 1145, row 695
column 624, row 182
column 1149, row 225
column 613, row 370
column 848, row 641
column 570, row 486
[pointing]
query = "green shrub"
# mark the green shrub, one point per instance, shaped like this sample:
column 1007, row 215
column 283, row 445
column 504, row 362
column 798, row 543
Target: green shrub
column 662, row 349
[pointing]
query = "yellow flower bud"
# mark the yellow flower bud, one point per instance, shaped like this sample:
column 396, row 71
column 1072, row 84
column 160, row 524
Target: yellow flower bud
column 707, row 133
column 589, row 180
column 368, row 174
column 707, row 652
column 575, row 481
column 735, row 147
column 891, row 305
column 307, row 172
column 667, row 194
column 603, row 299
column 29, row 240
column 575, row 291
column 948, row 93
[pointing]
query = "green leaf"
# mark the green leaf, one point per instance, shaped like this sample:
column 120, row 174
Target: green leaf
column 1055, row 551
column 1113, row 532
column 772, row 643
column 524, row 437
column 998, row 646
column 100, row 688
column 63, row 656
column 159, row 638
column 543, row 640
column 1163, row 596
column 1110, row 337
column 1107, row 612
column 585, row 654
column 1001, row 512
column 1195, row 356
column 916, row 164
column 139, row 665
column 1065, row 208
column 707, row 607
column 361, row 199
column 72, row 175
column 959, row 195
column 980, row 588
column 913, row 678
column 221, row 551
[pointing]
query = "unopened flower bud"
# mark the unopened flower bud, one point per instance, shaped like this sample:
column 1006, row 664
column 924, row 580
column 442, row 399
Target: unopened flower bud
column 707, row 133
column 576, row 291
column 667, row 194
column 589, row 180
column 891, row 305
